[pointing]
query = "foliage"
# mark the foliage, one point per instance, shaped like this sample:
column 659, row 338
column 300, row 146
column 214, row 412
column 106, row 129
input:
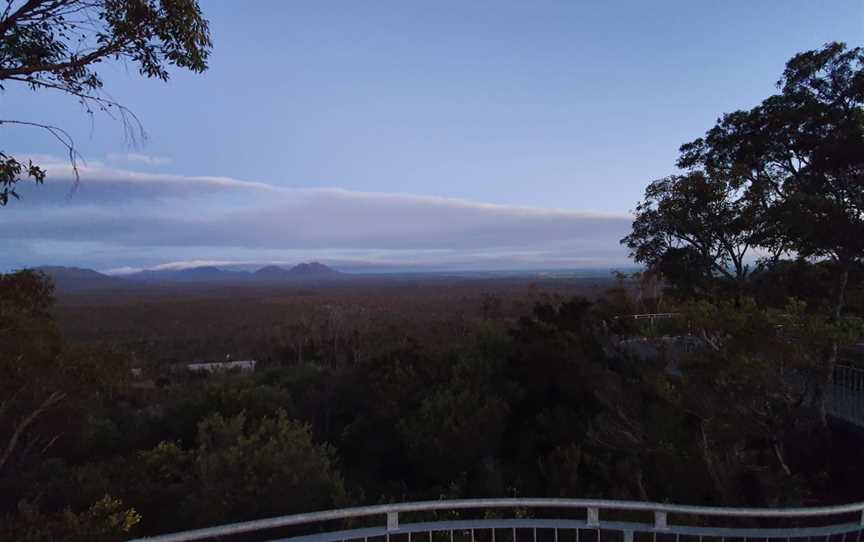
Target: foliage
column 545, row 404
column 458, row 427
column 693, row 228
column 11, row 171
column 266, row 469
column 785, row 176
column 792, row 171
column 105, row 521
column 48, row 385
column 800, row 150
column 58, row 44
column 747, row 394
column 773, row 284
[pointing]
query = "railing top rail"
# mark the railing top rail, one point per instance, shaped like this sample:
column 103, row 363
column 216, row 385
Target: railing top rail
column 648, row 315
column 381, row 509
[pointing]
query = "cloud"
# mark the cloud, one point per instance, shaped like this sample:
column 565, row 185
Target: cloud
column 136, row 158
column 147, row 216
column 100, row 183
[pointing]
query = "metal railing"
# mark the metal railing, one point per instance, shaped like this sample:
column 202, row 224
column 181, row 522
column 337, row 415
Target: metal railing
column 595, row 521
column 847, row 394
column 647, row 316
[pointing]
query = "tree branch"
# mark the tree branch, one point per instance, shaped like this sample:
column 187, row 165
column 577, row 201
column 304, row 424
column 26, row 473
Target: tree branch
column 61, row 135
column 79, row 62
column 104, row 104
column 10, row 21
column 21, row 427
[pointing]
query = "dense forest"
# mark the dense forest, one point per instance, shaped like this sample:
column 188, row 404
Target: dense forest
column 532, row 393
column 754, row 247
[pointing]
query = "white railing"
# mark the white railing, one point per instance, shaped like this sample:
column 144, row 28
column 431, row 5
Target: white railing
column 647, row 316
column 596, row 519
column 847, row 394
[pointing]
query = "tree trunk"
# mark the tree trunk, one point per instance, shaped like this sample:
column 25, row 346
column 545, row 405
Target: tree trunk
column 826, row 381
column 711, row 465
column 778, row 453
column 640, row 486
column 841, row 292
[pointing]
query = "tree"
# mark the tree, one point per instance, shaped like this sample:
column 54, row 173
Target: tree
column 458, row 427
column 50, row 392
column 798, row 158
column 784, row 176
column 30, row 340
column 775, row 283
column 46, row 382
column 694, row 228
column 247, row 470
column 555, row 355
column 58, row 44
column 744, row 392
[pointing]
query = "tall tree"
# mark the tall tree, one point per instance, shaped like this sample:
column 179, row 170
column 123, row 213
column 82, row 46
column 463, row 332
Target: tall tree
column 798, row 160
column 799, row 157
column 58, row 44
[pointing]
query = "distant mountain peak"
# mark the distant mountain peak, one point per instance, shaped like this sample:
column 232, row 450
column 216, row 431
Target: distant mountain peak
column 48, row 269
column 312, row 269
column 75, row 278
column 67, row 279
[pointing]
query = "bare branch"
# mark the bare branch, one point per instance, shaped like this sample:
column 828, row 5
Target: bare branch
column 61, row 135
column 134, row 129
column 22, row 426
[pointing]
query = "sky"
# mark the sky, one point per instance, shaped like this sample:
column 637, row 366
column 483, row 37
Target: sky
column 423, row 135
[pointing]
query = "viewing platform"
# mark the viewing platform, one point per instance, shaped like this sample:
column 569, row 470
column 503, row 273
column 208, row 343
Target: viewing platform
column 545, row 520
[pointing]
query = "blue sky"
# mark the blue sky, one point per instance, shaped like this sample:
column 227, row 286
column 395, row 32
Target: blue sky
column 448, row 134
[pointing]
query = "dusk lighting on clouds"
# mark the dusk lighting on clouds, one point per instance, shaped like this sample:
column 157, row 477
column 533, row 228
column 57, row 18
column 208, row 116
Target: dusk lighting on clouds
column 444, row 135
column 147, row 216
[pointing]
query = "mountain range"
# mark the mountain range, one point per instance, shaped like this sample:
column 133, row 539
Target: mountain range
column 303, row 270
column 76, row 278
column 69, row 279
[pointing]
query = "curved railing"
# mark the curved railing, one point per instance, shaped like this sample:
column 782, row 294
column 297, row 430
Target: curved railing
column 577, row 520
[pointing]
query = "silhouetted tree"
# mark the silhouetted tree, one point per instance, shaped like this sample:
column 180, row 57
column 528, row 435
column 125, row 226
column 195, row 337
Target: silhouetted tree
column 697, row 220
column 58, row 44
column 798, row 160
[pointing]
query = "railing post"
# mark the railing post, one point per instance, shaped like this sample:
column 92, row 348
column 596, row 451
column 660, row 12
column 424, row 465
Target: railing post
column 660, row 522
column 862, row 517
column 593, row 517
column 392, row 521
column 628, row 536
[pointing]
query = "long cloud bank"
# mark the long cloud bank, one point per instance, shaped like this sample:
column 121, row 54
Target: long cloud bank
column 117, row 217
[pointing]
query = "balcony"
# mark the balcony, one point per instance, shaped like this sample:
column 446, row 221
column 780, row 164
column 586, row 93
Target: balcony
column 546, row 520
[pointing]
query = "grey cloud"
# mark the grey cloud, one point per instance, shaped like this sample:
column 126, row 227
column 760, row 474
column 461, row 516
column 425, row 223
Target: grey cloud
column 138, row 158
column 99, row 184
column 149, row 211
